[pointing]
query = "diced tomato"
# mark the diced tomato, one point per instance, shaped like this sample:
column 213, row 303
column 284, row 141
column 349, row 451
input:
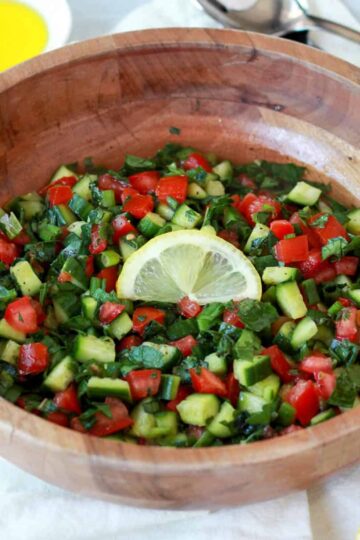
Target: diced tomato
column 243, row 205
column 22, row 238
column 64, row 277
column 98, row 242
column 313, row 264
column 346, row 265
column 122, row 226
column 236, row 201
column 21, row 315
column 230, row 236
column 33, row 358
column 145, row 182
column 104, row 425
column 64, row 181
column 8, row 251
column 139, row 205
column 346, row 327
column 291, row 250
column 205, row 382
column 279, row 363
column 246, row 181
column 316, row 362
column 89, row 266
column 189, row 308
column 304, row 398
column 314, row 242
column 144, row 315
column 144, row 382
column 67, row 400
column 109, row 311
column 59, row 195
column 291, row 429
column 128, row 194
column 59, row 418
column 182, row 393
column 194, row 160
column 110, row 275
column 345, row 302
column 281, row 227
column 106, row 181
column 332, row 228
column 185, row 345
column 172, row 186
column 233, row 389
column 251, row 205
column 40, row 314
column 231, row 316
column 129, row 341
column 325, row 384
column 326, row 274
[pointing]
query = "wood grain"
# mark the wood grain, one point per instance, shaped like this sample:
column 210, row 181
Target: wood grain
column 238, row 94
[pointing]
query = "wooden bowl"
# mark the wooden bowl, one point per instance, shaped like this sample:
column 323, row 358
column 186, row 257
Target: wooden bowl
column 241, row 95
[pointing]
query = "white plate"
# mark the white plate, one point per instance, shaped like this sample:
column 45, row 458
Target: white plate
column 58, row 19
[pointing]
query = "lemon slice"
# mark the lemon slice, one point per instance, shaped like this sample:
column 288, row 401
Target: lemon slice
column 196, row 264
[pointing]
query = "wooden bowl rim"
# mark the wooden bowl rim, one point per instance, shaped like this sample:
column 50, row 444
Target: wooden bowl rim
column 142, row 458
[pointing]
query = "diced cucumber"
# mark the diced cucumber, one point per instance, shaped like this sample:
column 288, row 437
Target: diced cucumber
column 311, row 292
column 80, row 206
column 10, row 224
column 198, row 409
column 354, row 295
column 186, row 217
column 150, row 225
column 247, row 345
column 224, row 170
column 283, row 337
column 76, row 228
column 250, row 403
column 82, row 187
column 152, row 426
column 88, row 348
column 268, row 388
column 206, row 439
column 61, row 375
column 216, row 364
column 249, row 372
column 63, row 214
column 325, row 335
column 165, row 211
column 305, row 330
column 259, row 231
column 273, row 275
column 270, row 295
column 106, row 198
column 98, row 387
column 321, row 417
column 221, row 425
column 129, row 244
column 76, row 273
column 48, row 232
column 26, row 279
column 166, row 423
column 286, row 414
column 120, row 326
column 31, row 209
column 215, row 188
column 195, row 191
column 62, row 172
column 89, row 307
column 353, row 225
column 9, row 351
column 66, row 305
column 304, row 194
column 169, row 353
column 169, row 386
column 290, row 300
column 108, row 258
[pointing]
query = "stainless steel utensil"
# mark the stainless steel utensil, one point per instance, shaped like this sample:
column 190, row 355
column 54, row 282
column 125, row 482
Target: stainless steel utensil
column 276, row 17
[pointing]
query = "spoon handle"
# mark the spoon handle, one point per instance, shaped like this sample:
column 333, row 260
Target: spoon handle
column 334, row 27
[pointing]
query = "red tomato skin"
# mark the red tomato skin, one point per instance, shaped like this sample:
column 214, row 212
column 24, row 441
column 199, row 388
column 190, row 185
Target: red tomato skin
column 110, row 275
column 104, row 425
column 280, row 228
column 8, row 252
column 315, row 363
column 142, row 316
column 172, row 186
column 40, row 314
column 106, row 181
column 59, row 418
column 97, row 243
column 233, row 389
column 346, row 265
column 231, row 316
column 110, row 311
column 64, row 181
column 246, row 181
column 279, row 363
column 59, row 195
column 129, row 341
column 122, row 226
column 67, row 400
column 291, row 250
column 144, row 383
column 332, row 228
column 304, row 398
column 313, row 264
column 325, row 384
column 205, row 382
column 346, row 327
column 64, row 277
column 182, row 393
column 128, row 194
column 326, row 274
column 230, row 236
column 145, row 182
column 22, row 238
column 257, row 206
column 33, row 359
column 89, row 266
column 21, row 315
column 314, row 241
column 185, row 345
column 189, row 308
column 139, row 205
column 195, row 160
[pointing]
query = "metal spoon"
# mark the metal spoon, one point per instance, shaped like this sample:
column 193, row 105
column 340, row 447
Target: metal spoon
column 276, row 17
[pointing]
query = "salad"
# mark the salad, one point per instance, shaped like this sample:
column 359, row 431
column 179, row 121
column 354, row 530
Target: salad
column 181, row 300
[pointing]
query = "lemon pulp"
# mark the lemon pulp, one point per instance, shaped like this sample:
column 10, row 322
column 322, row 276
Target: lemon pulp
column 23, row 33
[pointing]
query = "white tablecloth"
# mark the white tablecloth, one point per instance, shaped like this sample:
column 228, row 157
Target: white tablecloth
column 33, row 510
